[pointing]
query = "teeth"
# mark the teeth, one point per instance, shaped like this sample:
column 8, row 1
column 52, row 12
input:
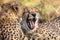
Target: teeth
column 28, row 23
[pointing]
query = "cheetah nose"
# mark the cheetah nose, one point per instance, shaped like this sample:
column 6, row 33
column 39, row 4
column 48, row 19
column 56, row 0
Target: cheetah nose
column 30, row 16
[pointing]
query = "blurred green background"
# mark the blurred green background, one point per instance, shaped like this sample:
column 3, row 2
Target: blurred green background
column 48, row 8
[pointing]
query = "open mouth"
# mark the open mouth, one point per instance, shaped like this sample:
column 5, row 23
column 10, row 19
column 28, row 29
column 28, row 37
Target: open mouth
column 31, row 23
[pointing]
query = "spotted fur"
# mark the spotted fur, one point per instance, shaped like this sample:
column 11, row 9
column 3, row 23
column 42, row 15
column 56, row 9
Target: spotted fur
column 10, row 28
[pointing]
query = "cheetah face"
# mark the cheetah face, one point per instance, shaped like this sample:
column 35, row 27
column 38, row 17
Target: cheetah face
column 30, row 20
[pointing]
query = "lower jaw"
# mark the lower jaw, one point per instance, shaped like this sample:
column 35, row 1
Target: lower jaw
column 30, row 28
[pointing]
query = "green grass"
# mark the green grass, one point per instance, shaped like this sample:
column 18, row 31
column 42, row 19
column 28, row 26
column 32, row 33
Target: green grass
column 28, row 3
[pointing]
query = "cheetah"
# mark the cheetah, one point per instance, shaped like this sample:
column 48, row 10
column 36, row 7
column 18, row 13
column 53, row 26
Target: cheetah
column 12, row 28
column 49, row 30
column 30, row 19
column 10, row 21
column 29, row 22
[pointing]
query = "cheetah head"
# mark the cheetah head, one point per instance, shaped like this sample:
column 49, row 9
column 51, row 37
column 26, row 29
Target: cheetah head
column 30, row 19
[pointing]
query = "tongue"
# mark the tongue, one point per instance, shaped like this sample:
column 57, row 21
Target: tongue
column 32, row 24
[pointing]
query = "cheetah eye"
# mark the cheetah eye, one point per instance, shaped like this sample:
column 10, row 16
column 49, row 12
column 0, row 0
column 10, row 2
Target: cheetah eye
column 16, row 8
